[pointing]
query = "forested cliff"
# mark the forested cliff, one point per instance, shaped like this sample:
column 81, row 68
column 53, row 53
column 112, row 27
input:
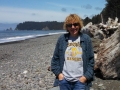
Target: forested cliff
column 30, row 25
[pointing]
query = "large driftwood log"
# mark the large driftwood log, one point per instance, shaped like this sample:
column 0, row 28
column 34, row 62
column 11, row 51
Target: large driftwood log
column 108, row 57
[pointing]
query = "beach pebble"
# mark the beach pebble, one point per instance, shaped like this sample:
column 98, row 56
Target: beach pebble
column 24, row 66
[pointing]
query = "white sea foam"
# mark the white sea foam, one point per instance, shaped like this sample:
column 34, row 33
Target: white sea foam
column 20, row 38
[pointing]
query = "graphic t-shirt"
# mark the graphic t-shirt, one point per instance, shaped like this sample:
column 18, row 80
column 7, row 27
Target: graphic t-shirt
column 73, row 65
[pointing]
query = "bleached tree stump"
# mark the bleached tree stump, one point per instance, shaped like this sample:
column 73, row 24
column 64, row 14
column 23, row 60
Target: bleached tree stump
column 108, row 57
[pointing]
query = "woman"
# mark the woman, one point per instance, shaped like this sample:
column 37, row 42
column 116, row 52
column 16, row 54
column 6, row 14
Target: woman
column 73, row 58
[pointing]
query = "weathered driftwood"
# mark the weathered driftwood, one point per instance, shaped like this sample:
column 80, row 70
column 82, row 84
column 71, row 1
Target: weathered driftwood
column 108, row 57
column 101, row 31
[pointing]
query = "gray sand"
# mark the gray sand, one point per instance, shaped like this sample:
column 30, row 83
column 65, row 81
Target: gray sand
column 23, row 66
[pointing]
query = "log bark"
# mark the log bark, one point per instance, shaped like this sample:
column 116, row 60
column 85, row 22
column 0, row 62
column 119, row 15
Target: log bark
column 108, row 57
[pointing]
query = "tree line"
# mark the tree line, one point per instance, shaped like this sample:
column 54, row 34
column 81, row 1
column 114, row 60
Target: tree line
column 112, row 10
column 48, row 25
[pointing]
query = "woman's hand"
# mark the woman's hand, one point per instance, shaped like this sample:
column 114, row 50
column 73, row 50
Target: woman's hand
column 83, row 79
column 60, row 76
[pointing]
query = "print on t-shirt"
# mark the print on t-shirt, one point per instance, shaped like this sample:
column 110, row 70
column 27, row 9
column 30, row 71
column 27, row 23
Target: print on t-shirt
column 73, row 50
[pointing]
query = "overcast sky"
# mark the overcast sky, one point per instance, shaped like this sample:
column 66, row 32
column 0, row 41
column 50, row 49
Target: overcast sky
column 18, row 11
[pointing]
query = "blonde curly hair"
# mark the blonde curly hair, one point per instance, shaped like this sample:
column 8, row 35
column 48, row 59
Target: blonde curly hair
column 73, row 18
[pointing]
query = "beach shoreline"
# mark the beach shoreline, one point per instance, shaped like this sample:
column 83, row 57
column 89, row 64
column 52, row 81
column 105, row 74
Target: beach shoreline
column 24, row 64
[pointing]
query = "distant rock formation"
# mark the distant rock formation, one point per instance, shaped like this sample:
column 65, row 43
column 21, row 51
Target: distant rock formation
column 48, row 25
column 45, row 28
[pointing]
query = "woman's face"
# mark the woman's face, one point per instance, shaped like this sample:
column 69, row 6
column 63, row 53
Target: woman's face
column 73, row 29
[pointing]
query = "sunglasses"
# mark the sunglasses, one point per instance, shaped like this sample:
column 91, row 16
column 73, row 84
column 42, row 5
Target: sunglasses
column 74, row 24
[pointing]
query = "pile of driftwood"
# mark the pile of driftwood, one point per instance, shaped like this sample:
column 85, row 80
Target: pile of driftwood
column 101, row 31
column 107, row 57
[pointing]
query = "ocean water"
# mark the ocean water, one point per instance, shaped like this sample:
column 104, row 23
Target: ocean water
column 12, row 36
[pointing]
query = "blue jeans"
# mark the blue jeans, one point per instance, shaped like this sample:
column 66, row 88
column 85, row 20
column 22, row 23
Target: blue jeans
column 67, row 85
